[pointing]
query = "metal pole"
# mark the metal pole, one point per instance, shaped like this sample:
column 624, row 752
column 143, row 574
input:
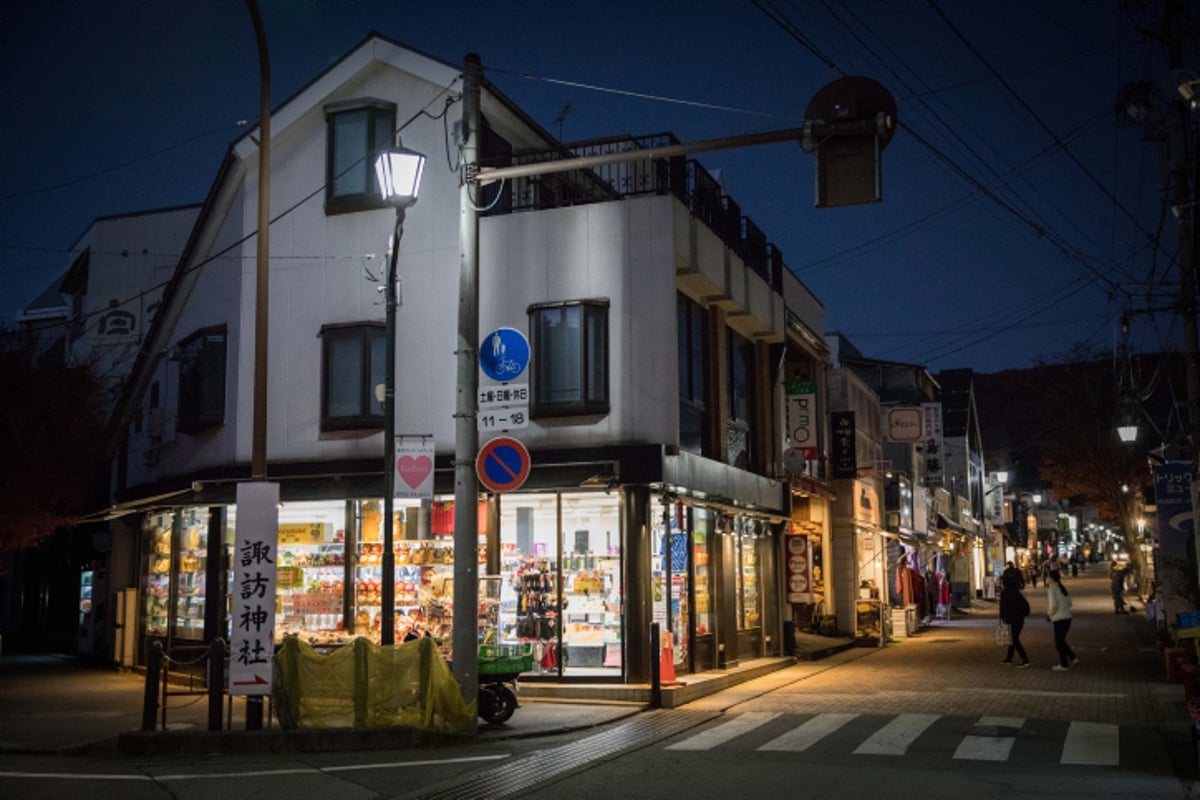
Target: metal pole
column 466, row 437
column 258, row 459
column 655, row 667
column 387, row 625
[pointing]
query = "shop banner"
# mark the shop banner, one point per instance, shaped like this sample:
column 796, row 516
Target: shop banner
column 414, row 467
column 802, row 419
column 1173, row 497
column 799, row 569
column 931, row 434
column 843, row 451
column 254, row 560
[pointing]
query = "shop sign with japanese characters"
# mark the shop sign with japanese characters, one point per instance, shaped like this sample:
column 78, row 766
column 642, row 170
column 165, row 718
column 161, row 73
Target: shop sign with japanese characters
column 252, row 644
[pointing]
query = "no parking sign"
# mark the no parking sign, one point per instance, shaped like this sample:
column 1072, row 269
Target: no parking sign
column 503, row 464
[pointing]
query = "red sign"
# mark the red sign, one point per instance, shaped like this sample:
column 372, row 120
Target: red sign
column 503, row 464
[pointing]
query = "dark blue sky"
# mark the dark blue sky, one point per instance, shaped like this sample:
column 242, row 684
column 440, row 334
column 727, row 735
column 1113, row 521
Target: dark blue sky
column 1020, row 211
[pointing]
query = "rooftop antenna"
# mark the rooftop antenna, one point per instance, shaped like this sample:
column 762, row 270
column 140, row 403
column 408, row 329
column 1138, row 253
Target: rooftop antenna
column 562, row 116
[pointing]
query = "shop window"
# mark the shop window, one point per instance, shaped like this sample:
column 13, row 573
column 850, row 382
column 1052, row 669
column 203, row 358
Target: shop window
column 570, row 365
column 693, row 354
column 201, row 380
column 352, row 365
column 740, row 354
column 356, row 132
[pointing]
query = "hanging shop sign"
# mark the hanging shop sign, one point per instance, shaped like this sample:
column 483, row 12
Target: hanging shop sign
column 799, row 569
column 413, row 460
column 1173, row 500
column 802, row 419
column 931, row 435
column 842, row 447
column 903, row 423
column 252, row 645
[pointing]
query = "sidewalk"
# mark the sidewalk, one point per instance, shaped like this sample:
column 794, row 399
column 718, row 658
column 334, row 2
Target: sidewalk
column 60, row 705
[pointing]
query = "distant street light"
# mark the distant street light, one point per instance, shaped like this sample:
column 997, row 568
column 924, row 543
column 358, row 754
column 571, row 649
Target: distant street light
column 399, row 174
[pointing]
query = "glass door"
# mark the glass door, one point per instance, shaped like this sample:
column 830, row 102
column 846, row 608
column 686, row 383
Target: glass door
column 187, row 618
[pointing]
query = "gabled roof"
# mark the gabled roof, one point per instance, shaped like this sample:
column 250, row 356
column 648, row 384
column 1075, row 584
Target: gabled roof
column 504, row 116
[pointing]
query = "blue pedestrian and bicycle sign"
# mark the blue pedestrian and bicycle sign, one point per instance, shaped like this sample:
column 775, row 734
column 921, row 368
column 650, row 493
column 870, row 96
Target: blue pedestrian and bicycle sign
column 504, row 354
column 503, row 464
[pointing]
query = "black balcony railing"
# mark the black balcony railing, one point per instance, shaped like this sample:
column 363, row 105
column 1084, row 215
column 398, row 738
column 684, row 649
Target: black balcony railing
column 684, row 178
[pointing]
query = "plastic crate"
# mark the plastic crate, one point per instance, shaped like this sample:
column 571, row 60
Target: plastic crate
column 505, row 659
column 1188, row 619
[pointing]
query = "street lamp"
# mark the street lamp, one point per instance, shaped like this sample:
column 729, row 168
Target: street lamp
column 398, row 172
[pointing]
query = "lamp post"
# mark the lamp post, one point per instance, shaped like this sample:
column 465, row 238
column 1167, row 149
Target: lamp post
column 398, row 172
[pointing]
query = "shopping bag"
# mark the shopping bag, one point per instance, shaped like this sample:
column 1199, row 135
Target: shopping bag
column 1003, row 634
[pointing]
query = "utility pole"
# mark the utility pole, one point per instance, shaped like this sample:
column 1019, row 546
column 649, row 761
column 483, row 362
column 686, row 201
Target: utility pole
column 465, row 636
column 1182, row 173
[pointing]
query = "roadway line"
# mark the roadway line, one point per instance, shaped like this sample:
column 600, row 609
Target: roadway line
column 1032, row 693
column 251, row 774
column 894, row 738
column 989, row 748
column 1092, row 743
column 808, row 734
column 720, row 734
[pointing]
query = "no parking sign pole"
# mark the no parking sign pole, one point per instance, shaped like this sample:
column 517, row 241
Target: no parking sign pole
column 503, row 464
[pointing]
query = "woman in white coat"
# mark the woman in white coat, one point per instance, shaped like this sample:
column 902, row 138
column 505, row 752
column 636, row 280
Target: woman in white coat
column 1058, row 611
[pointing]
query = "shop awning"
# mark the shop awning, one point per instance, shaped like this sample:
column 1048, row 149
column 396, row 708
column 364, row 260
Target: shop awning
column 131, row 506
column 945, row 524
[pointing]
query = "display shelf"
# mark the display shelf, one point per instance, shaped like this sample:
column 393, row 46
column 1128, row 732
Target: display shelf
column 424, row 581
column 310, row 584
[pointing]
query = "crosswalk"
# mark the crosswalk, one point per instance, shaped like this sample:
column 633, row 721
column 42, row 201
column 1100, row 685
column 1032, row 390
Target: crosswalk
column 982, row 739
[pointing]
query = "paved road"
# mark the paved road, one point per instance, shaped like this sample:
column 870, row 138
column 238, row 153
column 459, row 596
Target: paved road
column 932, row 716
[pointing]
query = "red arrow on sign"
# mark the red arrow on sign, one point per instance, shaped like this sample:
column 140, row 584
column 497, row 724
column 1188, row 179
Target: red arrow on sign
column 259, row 680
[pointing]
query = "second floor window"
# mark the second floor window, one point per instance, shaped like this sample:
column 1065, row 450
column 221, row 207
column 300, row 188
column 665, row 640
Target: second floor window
column 693, row 354
column 740, row 353
column 201, row 381
column 352, row 365
column 570, row 358
column 356, row 132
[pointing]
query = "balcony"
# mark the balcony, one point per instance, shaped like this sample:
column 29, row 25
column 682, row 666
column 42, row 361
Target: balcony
column 681, row 177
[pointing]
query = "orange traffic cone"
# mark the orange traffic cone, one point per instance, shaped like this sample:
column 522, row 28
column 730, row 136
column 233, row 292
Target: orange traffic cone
column 666, row 659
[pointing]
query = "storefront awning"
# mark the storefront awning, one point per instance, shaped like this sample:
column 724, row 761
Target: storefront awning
column 945, row 524
column 130, row 507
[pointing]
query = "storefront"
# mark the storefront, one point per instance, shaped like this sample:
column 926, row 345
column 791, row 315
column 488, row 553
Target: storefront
column 568, row 563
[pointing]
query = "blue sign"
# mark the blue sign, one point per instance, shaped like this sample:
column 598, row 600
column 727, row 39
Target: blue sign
column 503, row 464
column 504, row 354
column 1173, row 496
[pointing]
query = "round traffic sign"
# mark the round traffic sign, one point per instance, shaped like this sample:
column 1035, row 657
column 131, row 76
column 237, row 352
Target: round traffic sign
column 503, row 464
column 504, row 354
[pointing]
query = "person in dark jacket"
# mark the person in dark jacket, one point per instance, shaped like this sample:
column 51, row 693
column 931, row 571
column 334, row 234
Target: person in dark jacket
column 1013, row 610
column 1012, row 573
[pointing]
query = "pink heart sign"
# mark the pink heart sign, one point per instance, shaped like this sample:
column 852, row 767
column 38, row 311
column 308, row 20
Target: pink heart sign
column 414, row 471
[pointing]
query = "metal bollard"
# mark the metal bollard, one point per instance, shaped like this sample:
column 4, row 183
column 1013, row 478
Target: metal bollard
column 216, row 682
column 154, row 658
column 655, row 668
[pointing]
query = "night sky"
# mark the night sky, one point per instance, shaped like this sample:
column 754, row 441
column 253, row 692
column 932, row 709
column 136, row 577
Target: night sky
column 1021, row 212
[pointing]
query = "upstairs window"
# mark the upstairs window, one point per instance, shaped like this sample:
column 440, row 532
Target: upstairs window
column 201, row 380
column 357, row 131
column 693, row 356
column 570, row 358
column 740, row 371
column 352, row 365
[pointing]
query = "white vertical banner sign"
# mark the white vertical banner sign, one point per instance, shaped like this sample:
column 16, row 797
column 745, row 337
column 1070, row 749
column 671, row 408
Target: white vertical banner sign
column 252, row 646
column 413, row 460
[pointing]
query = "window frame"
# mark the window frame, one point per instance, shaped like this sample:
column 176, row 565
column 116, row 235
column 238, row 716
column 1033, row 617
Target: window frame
column 193, row 414
column 366, row 332
column 377, row 111
column 740, row 358
column 692, row 359
column 590, row 400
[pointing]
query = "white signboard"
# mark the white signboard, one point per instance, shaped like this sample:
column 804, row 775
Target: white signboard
column 414, row 467
column 503, row 419
column 904, row 423
column 506, row 395
column 252, row 646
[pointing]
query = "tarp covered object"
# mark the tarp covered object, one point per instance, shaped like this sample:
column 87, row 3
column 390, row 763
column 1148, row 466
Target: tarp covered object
column 365, row 685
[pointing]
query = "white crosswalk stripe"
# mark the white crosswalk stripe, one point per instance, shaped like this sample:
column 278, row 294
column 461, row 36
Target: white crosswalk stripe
column 989, row 748
column 1085, row 743
column 731, row 729
column 895, row 738
column 1092, row 743
column 808, row 734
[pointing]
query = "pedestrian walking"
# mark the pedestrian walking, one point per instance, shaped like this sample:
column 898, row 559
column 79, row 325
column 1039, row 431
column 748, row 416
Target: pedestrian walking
column 1014, row 608
column 1058, row 612
column 1014, row 574
column 1033, row 575
column 1118, row 588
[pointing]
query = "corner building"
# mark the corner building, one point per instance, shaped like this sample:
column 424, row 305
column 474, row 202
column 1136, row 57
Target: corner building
column 658, row 325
